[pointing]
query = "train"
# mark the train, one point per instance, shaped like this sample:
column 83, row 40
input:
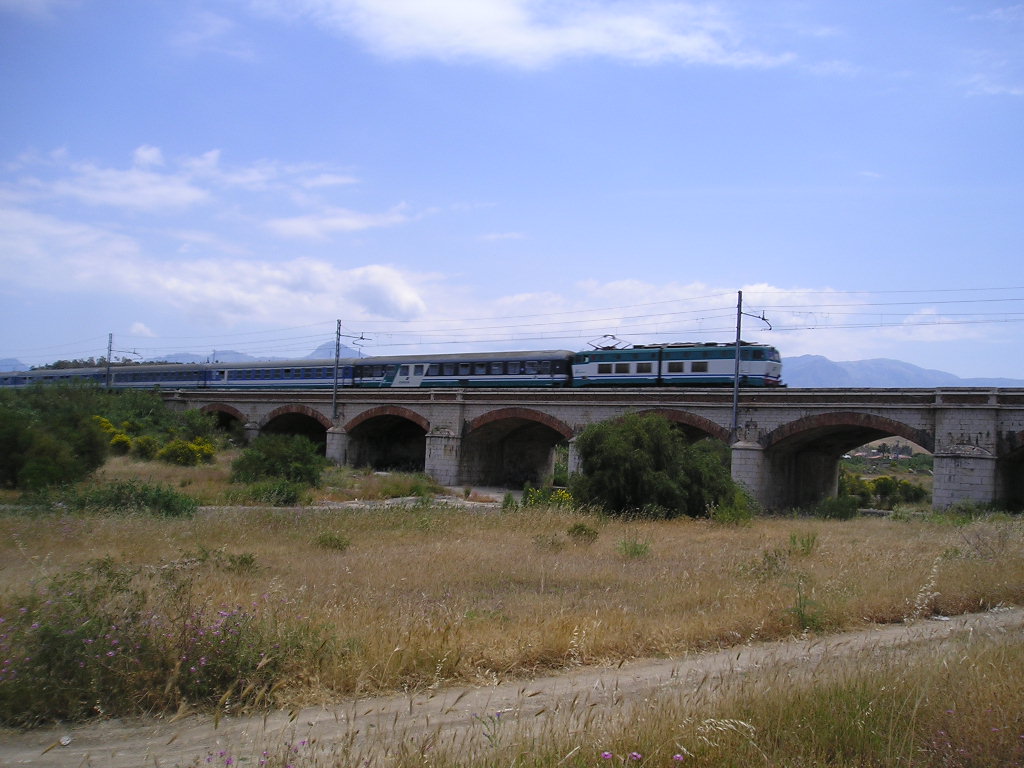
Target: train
column 692, row 364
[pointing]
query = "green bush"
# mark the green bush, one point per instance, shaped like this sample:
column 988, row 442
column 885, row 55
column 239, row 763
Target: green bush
column 838, row 508
column 187, row 453
column 640, row 464
column 145, row 447
column 278, row 493
column 130, row 496
column 48, row 437
column 291, row 457
column 332, row 540
column 121, row 444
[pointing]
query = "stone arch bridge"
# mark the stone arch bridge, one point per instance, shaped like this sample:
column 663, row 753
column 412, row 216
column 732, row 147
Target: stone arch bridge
column 786, row 449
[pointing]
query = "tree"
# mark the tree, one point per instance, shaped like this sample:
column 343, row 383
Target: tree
column 641, row 464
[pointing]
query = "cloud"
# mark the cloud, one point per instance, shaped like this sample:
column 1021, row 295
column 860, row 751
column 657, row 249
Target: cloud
column 39, row 10
column 525, row 33
column 207, row 32
column 135, row 188
column 141, row 329
column 320, row 226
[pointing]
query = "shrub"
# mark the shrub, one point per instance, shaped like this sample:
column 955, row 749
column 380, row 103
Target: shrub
column 187, row 454
column 332, row 540
column 582, row 533
column 120, row 443
column 278, row 493
column 838, row 508
column 640, row 462
column 145, row 447
column 291, row 457
column 131, row 496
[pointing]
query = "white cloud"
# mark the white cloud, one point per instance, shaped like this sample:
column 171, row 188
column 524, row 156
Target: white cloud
column 146, row 156
column 141, row 329
column 527, row 33
column 320, row 226
column 208, row 32
column 34, row 9
column 135, row 188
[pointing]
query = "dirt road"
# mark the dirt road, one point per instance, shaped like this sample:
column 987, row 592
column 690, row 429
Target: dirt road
column 371, row 726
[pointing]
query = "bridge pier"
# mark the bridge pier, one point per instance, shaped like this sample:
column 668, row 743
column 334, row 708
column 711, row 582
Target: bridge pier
column 748, row 469
column 337, row 445
column 443, row 455
column 965, row 475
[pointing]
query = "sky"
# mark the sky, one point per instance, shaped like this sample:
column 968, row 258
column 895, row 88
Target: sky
column 458, row 175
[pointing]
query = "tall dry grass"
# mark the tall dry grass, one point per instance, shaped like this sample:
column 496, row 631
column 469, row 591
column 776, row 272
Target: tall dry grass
column 426, row 594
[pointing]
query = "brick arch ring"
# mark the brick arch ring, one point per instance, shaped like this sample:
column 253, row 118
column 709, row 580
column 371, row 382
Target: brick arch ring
column 527, row 414
column 230, row 410
column 692, row 420
column 849, row 419
column 304, row 410
column 389, row 410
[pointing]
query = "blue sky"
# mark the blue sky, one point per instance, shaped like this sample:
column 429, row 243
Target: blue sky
column 513, row 174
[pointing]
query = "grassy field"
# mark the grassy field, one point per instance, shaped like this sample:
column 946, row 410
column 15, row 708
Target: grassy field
column 326, row 602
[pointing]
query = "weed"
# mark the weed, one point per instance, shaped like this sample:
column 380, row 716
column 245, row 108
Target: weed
column 633, row 548
column 582, row 533
column 331, row 540
column 803, row 544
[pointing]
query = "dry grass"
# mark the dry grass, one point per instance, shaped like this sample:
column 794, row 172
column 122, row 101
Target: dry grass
column 424, row 594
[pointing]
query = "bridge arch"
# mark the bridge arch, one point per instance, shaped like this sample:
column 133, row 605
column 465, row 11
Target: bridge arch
column 229, row 419
column 388, row 437
column 526, row 414
column 297, row 420
column 803, row 455
column 511, row 446
column 693, row 425
column 849, row 428
column 388, row 410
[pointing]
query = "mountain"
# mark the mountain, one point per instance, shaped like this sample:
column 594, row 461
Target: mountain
column 10, row 364
column 326, row 352
column 818, row 371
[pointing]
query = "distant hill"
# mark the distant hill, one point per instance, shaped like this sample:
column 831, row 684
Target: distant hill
column 326, row 352
column 818, row 371
column 10, row 364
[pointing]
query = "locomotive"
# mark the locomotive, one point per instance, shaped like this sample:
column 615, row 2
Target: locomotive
column 647, row 365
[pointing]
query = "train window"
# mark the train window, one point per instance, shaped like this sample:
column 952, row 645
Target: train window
column 545, row 367
column 479, row 369
column 417, row 370
column 463, row 369
column 433, row 369
column 390, row 370
column 378, row 371
column 699, row 367
column 403, row 371
column 449, row 369
column 675, row 367
column 497, row 369
column 643, row 368
column 604, row 367
column 622, row 367
column 531, row 368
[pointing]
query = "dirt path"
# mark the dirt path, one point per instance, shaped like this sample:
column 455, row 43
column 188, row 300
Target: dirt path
column 372, row 725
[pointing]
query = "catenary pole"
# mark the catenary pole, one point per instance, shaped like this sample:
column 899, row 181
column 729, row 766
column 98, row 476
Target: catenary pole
column 337, row 362
column 736, row 368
